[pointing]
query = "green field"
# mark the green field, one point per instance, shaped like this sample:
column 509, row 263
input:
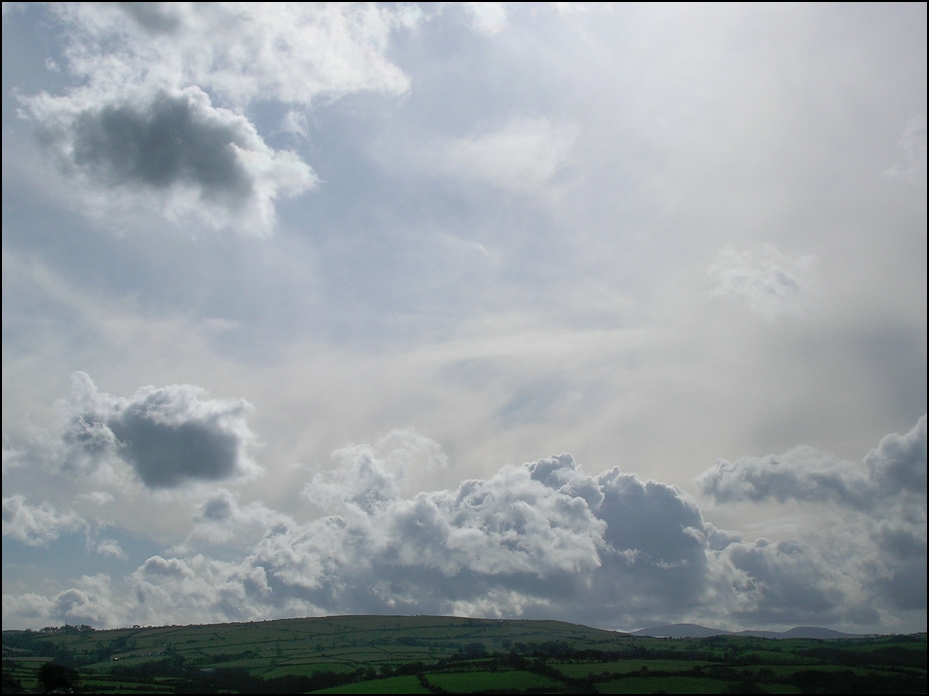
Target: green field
column 390, row 654
column 469, row 682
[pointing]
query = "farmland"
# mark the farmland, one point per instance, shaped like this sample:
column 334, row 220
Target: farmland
column 429, row 654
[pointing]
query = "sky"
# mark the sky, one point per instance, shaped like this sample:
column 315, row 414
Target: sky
column 610, row 314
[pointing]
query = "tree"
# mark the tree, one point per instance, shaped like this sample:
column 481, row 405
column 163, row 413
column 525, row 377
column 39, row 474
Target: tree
column 54, row 676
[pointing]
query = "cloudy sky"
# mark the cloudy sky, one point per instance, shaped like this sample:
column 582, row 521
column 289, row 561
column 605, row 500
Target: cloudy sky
column 615, row 315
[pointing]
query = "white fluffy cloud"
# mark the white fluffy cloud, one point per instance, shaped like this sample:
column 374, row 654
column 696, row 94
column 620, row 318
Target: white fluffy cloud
column 141, row 131
column 173, row 151
column 222, row 520
column 170, row 436
column 542, row 539
column 897, row 467
column 872, row 559
column 111, row 548
column 37, row 525
column 89, row 602
column 242, row 52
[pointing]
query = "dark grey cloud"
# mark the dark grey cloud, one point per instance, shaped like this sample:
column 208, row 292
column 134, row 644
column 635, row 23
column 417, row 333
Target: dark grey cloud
column 218, row 508
column 171, row 149
column 898, row 463
column 785, row 581
column 172, row 139
column 169, row 435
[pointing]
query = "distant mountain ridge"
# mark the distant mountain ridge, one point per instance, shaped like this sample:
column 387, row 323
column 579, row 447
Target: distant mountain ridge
column 685, row 630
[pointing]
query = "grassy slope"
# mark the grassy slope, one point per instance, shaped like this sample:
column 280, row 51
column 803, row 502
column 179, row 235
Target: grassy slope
column 380, row 644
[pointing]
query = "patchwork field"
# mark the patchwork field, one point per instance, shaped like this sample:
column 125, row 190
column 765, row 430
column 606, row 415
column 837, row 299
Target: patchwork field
column 428, row 654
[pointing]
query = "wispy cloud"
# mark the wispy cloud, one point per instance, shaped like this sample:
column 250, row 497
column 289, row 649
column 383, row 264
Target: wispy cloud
column 523, row 155
column 913, row 144
column 765, row 279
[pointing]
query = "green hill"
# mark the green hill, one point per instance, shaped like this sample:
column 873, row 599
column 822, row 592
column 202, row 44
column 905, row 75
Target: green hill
column 409, row 654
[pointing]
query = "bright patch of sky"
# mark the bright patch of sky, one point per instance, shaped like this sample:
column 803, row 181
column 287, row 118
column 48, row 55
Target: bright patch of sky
column 610, row 314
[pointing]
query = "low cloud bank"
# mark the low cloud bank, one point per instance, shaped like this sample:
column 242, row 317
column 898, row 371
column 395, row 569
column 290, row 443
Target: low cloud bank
column 544, row 540
column 894, row 472
column 879, row 507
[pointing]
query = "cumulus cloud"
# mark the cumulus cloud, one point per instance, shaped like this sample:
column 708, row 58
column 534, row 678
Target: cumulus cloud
column 876, row 556
column 172, row 150
column 896, row 466
column 111, row 548
column 522, row 156
column 141, row 130
column 542, row 539
column 770, row 282
column 780, row 583
column 220, row 519
column 170, row 435
column 37, row 525
column 371, row 474
column 91, row 602
column 913, row 144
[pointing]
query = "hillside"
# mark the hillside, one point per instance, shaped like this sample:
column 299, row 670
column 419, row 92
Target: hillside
column 422, row 654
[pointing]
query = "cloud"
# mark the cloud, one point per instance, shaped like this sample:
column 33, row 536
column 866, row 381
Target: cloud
column 222, row 520
column 372, row 474
column 780, row 583
column 523, row 156
column 37, row 525
column 11, row 455
column 141, row 132
column 873, row 555
column 153, row 17
column 111, row 548
column 542, row 539
column 171, row 150
column 913, row 144
column 486, row 17
column 294, row 122
column 767, row 280
column 170, row 436
column 295, row 54
column 546, row 539
column 91, row 603
column 896, row 467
